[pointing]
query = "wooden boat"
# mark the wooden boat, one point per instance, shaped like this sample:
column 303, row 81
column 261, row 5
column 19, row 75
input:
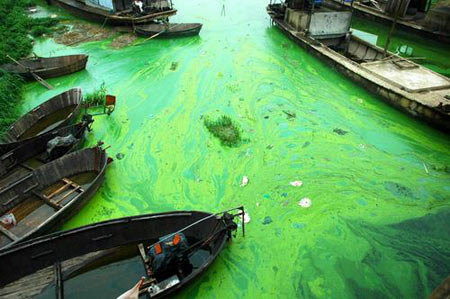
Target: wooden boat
column 37, row 152
column 415, row 25
column 402, row 83
column 117, row 249
column 169, row 30
column 43, row 198
column 56, row 112
column 47, row 67
column 115, row 12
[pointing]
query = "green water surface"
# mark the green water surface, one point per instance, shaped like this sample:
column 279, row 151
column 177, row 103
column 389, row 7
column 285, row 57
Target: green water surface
column 379, row 180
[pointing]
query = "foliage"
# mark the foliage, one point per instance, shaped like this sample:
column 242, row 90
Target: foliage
column 224, row 129
column 10, row 93
column 42, row 26
column 15, row 27
column 97, row 97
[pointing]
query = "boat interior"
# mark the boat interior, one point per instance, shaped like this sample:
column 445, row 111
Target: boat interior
column 32, row 196
column 106, row 266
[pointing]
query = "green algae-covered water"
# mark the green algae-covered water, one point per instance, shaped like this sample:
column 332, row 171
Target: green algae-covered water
column 379, row 181
column 427, row 52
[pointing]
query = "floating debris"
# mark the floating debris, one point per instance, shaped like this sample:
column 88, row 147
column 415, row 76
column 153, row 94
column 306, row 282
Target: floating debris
column 270, row 146
column 174, row 66
column 120, row 156
column 267, row 220
column 224, row 129
column 296, row 183
column 339, row 131
column 244, row 181
column 291, row 115
column 305, row 202
column 246, row 218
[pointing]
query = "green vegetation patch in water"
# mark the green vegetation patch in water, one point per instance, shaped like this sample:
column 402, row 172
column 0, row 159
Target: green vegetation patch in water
column 225, row 129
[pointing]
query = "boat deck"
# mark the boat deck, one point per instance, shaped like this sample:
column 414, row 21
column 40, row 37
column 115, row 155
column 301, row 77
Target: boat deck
column 407, row 75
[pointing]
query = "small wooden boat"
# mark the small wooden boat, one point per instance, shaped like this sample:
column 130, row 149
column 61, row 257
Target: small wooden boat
column 39, row 200
column 116, row 12
column 402, row 83
column 47, row 67
column 169, row 30
column 121, row 250
column 56, row 112
column 43, row 149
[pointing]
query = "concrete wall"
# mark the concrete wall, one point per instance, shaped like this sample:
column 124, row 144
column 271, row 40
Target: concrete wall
column 324, row 24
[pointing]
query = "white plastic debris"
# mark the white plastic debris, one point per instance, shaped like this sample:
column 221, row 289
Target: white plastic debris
column 8, row 220
column 296, row 183
column 244, row 181
column 246, row 218
column 305, row 202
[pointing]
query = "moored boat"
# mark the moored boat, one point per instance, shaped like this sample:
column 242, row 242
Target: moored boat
column 47, row 67
column 169, row 29
column 43, row 149
column 416, row 23
column 36, row 202
column 54, row 113
column 118, row 12
column 324, row 32
column 169, row 249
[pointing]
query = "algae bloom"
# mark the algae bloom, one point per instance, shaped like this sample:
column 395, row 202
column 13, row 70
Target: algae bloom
column 224, row 129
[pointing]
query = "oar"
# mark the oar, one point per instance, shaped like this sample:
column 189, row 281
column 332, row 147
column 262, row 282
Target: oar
column 36, row 77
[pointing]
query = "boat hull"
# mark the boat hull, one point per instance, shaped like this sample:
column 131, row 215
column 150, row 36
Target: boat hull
column 174, row 30
column 48, row 67
column 103, row 17
column 36, row 181
column 391, row 95
column 59, row 111
column 109, row 236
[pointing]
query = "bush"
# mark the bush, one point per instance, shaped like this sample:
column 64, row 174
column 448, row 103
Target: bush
column 97, row 97
column 10, row 93
column 224, row 129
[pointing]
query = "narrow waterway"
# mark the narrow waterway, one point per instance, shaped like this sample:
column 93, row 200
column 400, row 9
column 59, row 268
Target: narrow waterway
column 377, row 178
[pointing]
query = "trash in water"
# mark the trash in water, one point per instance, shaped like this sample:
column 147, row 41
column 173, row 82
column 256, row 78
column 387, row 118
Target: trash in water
column 267, row 220
column 305, row 202
column 244, row 181
column 246, row 218
column 296, row 183
column 8, row 220
column 120, row 156
column 339, row 131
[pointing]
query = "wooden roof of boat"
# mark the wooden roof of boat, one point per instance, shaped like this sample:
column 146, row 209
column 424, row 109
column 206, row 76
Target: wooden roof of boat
column 48, row 67
column 54, row 113
column 45, row 197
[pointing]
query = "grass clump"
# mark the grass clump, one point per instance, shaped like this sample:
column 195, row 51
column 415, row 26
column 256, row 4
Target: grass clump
column 11, row 87
column 97, row 97
column 225, row 129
